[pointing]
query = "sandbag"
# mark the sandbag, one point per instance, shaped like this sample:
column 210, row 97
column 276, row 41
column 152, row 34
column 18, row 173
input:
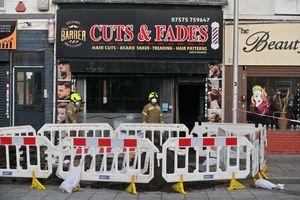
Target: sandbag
column 72, row 180
column 267, row 184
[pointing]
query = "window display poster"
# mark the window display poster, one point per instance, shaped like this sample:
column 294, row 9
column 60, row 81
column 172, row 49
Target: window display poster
column 214, row 92
column 64, row 89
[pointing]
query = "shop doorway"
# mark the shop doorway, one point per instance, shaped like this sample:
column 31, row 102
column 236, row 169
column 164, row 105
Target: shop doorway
column 191, row 104
column 28, row 98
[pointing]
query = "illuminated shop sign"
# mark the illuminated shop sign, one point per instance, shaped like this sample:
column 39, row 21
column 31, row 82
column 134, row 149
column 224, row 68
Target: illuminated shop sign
column 140, row 33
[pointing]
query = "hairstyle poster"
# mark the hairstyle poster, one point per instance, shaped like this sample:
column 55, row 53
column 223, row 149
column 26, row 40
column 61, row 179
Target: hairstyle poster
column 214, row 93
column 64, row 89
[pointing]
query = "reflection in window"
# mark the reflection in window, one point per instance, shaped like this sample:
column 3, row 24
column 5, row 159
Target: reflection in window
column 29, row 88
column 121, row 94
column 283, row 95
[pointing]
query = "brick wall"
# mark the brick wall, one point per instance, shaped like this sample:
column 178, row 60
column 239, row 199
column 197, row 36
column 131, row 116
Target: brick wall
column 283, row 142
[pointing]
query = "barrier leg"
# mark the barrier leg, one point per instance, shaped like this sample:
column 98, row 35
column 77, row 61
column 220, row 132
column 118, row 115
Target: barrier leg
column 77, row 188
column 265, row 168
column 234, row 184
column 179, row 187
column 262, row 175
column 36, row 184
column 131, row 188
column 263, row 171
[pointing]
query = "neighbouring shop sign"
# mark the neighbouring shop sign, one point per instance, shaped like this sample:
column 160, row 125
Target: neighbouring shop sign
column 265, row 44
column 8, row 35
column 140, row 33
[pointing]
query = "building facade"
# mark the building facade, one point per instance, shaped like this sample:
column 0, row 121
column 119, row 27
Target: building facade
column 26, row 60
column 269, row 64
column 118, row 52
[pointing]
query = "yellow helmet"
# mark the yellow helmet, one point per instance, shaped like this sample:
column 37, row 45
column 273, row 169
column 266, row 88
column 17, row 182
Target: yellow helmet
column 75, row 97
column 153, row 95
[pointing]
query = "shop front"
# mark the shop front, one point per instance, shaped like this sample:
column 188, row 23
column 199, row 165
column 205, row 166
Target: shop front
column 269, row 83
column 25, row 74
column 116, row 55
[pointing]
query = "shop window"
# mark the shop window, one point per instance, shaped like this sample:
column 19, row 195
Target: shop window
column 283, row 87
column 274, row 102
column 28, row 88
column 121, row 94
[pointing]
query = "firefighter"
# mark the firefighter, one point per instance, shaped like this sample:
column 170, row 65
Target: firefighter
column 74, row 107
column 152, row 112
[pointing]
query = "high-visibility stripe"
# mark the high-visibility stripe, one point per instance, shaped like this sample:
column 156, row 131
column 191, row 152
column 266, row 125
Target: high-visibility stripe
column 151, row 108
column 184, row 142
column 29, row 141
column 130, row 143
column 79, row 142
column 208, row 141
column 231, row 141
column 5, row 140
column 104, row 142
column 144, row 113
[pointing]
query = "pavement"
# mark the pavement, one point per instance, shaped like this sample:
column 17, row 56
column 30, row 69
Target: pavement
column 282, row 169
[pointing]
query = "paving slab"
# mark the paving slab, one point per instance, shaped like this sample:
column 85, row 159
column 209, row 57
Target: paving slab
column 282, row 169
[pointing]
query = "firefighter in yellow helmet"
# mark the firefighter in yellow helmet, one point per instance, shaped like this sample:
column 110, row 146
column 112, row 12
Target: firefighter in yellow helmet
column 74, row 107
column 152, row 112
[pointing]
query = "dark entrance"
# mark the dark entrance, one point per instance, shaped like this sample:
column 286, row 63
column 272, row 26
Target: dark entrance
column 191, row 104
column 29, row 108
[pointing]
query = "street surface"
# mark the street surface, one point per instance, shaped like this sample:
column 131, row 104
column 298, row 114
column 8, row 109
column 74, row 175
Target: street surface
column 282, row 169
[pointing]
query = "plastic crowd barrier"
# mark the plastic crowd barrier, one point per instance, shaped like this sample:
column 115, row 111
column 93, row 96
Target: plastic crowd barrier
column 23, row 155
column 148, row 130
column 212, row 151
column 196, row 167
column 256, row 136
column 108, row 159
column 56, row 132
column 17, row 131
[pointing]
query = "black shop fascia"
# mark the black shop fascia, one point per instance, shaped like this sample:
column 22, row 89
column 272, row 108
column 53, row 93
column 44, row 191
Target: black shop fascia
column 140, row 39
column 122, row 52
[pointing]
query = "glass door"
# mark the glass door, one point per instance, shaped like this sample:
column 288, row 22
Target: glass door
column 29, row 108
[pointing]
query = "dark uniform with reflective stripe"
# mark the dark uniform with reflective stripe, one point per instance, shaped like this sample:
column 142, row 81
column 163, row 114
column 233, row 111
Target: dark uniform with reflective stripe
column 152, row 114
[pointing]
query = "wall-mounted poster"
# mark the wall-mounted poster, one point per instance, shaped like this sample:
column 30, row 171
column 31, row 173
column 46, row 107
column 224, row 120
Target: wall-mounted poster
column 214, row 93
column 65, row 86
column 63, row 90
column 8, row 35
column 61, row 112
column 63, row 70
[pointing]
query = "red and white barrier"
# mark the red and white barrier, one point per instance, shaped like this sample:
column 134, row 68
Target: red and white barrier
column 21, row 155
column 148, row 130
column 57, row 132
column 199, row 167
column 17, row 131
column 256, row 136
column 108, row 159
